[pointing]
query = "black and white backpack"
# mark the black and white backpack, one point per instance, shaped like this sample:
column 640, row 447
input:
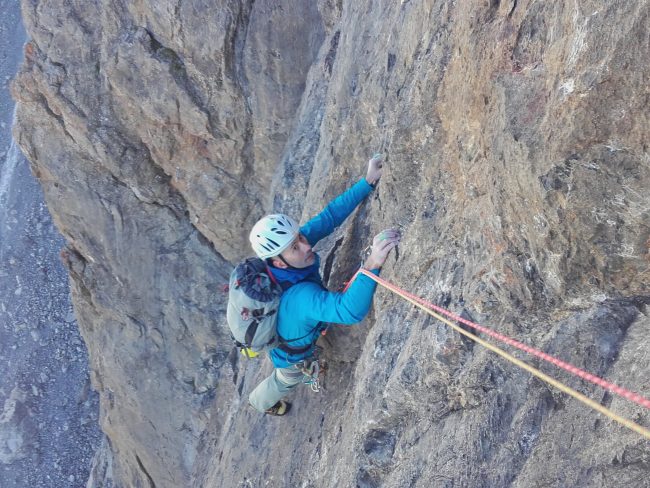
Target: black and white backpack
column 253, row 302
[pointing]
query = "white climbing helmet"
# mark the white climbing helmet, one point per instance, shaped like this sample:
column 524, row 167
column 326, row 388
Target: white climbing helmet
column 273, row 234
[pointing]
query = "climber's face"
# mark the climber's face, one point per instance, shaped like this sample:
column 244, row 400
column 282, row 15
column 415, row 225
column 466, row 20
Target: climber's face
column 299, row 254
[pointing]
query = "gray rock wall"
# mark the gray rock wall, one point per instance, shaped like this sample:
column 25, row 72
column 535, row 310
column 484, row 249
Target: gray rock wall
column 518, row 168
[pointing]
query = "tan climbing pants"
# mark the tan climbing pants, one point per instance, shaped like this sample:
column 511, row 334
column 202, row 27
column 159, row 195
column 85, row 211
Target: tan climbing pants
column 277, row 386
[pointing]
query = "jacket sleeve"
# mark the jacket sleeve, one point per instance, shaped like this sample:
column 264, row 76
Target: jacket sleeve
column 346, row 308
column 336, row 212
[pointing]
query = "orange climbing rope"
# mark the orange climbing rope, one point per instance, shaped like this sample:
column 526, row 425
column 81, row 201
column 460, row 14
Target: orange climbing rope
column 431, row 309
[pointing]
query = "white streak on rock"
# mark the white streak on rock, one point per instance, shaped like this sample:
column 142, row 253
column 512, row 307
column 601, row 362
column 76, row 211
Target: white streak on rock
column 8, row 170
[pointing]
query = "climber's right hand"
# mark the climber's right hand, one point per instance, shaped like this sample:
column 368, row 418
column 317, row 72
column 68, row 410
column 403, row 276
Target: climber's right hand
column 381, row 246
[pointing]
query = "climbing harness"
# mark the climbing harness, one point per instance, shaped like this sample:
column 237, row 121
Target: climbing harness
column 431, row 309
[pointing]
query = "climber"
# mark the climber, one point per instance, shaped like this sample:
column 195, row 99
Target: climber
column 306, row 306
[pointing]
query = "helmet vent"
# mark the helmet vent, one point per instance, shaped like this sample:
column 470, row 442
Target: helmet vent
column 273, row 234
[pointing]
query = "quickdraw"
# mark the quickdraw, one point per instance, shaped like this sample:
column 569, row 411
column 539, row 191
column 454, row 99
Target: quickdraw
column 312, row 370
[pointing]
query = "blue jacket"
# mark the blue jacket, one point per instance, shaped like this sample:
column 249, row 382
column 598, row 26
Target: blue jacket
column 308, row 303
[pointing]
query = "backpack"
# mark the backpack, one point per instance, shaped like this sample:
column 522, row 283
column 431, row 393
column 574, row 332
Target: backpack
column 253, row 302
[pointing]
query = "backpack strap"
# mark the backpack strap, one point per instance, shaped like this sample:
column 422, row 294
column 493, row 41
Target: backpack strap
column 270, row 273
column 252, row 328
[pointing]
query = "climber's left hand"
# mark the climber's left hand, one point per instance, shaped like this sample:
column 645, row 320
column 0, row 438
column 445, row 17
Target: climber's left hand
column 375, row 169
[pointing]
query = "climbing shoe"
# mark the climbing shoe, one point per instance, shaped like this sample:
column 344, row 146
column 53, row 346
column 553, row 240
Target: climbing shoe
column 279, row 409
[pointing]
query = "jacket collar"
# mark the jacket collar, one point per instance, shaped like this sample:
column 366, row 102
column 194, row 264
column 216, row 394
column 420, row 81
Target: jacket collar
column 291, row 276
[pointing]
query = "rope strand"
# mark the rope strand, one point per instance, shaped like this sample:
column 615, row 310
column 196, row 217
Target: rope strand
column 429, row 308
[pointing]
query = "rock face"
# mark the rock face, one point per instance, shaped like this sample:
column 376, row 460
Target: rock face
column 518, row 169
